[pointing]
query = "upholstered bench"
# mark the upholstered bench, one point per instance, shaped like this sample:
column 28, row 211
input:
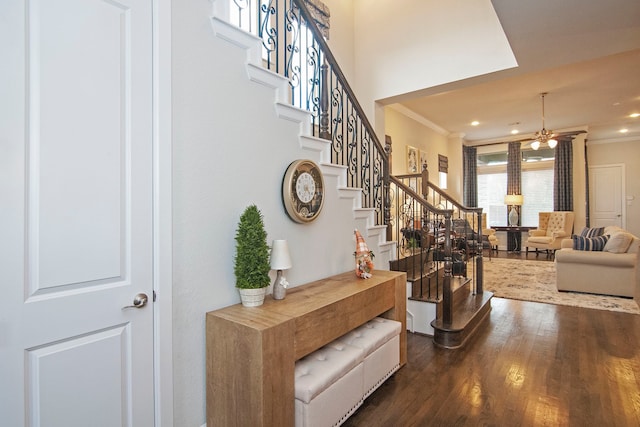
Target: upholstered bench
column 332, row 382
column 380, row 341
column 328, row 385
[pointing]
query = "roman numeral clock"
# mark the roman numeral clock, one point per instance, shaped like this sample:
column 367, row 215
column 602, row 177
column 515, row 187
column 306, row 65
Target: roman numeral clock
column 303, row 191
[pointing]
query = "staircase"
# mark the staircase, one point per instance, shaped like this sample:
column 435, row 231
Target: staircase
column 444, row 271
column 337, row 134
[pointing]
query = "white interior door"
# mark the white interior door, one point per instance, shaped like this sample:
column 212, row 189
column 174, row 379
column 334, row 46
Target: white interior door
column 606, row 195
column 76, row 213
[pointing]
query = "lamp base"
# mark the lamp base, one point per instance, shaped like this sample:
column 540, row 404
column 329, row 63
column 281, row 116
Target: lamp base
column 513, row 217
column 279, row 291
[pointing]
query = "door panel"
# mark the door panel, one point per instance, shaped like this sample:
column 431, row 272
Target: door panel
column 101, row 373
column 94, row 126
column 606, row 195
column 76, row 218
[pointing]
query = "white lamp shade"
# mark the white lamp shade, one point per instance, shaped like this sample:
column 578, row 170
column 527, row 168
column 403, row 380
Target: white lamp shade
column 552, row 143
column 535, row 144
column 280, row 259
column 514, row 199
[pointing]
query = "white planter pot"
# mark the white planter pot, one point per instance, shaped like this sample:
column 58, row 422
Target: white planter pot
column 252, row 297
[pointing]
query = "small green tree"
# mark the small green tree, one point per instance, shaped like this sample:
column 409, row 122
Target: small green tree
column 252, row 252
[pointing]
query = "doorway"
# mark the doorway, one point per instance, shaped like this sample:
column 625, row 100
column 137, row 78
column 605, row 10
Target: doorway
column 606, row 195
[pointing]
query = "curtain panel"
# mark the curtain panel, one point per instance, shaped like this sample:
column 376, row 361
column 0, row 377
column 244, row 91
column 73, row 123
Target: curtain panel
column 563, row 176
column 470, row 176
column 514, row 169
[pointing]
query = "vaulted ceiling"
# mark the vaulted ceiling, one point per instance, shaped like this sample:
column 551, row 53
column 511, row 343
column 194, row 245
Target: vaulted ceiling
column 584, row 53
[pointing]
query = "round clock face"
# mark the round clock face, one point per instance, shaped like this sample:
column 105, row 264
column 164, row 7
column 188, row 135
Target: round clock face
column 305, row 187
column 303, row 191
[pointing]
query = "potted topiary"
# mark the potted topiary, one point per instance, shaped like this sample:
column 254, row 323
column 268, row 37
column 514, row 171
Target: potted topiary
column 252, row 258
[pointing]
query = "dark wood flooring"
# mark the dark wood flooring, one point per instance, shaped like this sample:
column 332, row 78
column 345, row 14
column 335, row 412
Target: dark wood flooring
column 533, row 365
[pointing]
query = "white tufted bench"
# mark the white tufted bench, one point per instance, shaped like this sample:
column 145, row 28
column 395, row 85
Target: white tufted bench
column 328, row 385
column 380, row 341
column 332, row 382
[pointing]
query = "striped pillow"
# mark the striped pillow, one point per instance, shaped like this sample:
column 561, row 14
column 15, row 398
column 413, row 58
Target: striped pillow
column 592, row 232
column 597, row 243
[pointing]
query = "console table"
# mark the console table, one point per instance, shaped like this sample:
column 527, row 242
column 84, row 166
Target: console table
column 514, row 236
column 251, row 351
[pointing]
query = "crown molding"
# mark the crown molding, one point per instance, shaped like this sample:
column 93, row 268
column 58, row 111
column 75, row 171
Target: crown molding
column 630, row 138
column 418, row 118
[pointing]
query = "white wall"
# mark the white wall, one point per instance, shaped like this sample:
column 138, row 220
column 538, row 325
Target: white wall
column 341, row 35
column 625, row 152
column 402, row 46
column 229, row 151
column 405, row 129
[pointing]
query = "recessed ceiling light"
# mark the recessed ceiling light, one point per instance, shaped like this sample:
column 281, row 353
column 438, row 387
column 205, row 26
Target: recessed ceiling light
column 475, row 123
column 634, row 115
column 514, row 131
column 623, row 130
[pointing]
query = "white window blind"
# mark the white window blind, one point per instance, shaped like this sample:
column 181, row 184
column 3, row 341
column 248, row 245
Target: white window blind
column 537, row 189
column 491, row 190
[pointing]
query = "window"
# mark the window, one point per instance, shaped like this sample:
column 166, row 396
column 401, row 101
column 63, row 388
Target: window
column 537, row 189
column 537, row 184
column 491, row 190
column 442, row 180
column 443, row 169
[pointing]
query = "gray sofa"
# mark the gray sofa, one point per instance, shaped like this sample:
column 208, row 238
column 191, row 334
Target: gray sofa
column 612, row 271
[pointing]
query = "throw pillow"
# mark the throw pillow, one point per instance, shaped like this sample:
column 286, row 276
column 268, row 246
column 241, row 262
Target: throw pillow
column 592, row 232
column 597, row 243
column 619, row 242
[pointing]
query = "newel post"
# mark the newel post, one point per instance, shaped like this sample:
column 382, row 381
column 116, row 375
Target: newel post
column 447, row 296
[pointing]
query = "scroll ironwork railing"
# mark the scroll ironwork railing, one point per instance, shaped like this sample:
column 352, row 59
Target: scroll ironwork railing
column 295, row 47
column 438, row 239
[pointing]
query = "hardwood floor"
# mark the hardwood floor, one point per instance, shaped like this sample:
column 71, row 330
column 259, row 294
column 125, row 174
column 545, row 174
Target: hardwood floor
column 533, row 365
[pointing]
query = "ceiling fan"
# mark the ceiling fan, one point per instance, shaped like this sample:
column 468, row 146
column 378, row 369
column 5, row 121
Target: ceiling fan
column 544, row 136
column 549, row 137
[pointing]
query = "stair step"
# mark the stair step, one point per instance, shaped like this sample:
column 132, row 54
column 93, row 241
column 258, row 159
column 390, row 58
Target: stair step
column 468, row 315
column 430, row 290
column 415, row 262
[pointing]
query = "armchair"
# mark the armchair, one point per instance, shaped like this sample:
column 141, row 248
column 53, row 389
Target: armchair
column 553, row 227
column 466, row 227
column 489, row 234
column 489, row 238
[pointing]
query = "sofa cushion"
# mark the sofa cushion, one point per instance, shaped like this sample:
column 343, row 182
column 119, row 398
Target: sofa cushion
column 597, row 243
column 612, row 229
column 540, row 239
column 619, row 242
column 592, row 232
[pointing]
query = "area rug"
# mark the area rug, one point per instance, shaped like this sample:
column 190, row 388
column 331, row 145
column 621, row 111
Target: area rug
column 536, row 281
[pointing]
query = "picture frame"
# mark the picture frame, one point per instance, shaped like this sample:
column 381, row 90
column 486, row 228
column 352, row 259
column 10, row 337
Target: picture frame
column 412, row 159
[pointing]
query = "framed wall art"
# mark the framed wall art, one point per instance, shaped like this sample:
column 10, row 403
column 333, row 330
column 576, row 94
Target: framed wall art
column 412, row 159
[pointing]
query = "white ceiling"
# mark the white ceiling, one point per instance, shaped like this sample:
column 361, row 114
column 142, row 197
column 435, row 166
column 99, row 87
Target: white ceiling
column 584, row 53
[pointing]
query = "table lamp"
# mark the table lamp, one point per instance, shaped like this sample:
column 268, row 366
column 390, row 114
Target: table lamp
column 513, row 200
column 280, row 260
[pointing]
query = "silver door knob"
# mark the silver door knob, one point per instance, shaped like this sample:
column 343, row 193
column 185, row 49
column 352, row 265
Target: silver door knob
column 139, row 301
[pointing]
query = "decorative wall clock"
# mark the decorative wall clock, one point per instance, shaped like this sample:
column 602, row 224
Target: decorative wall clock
column 303, row 191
